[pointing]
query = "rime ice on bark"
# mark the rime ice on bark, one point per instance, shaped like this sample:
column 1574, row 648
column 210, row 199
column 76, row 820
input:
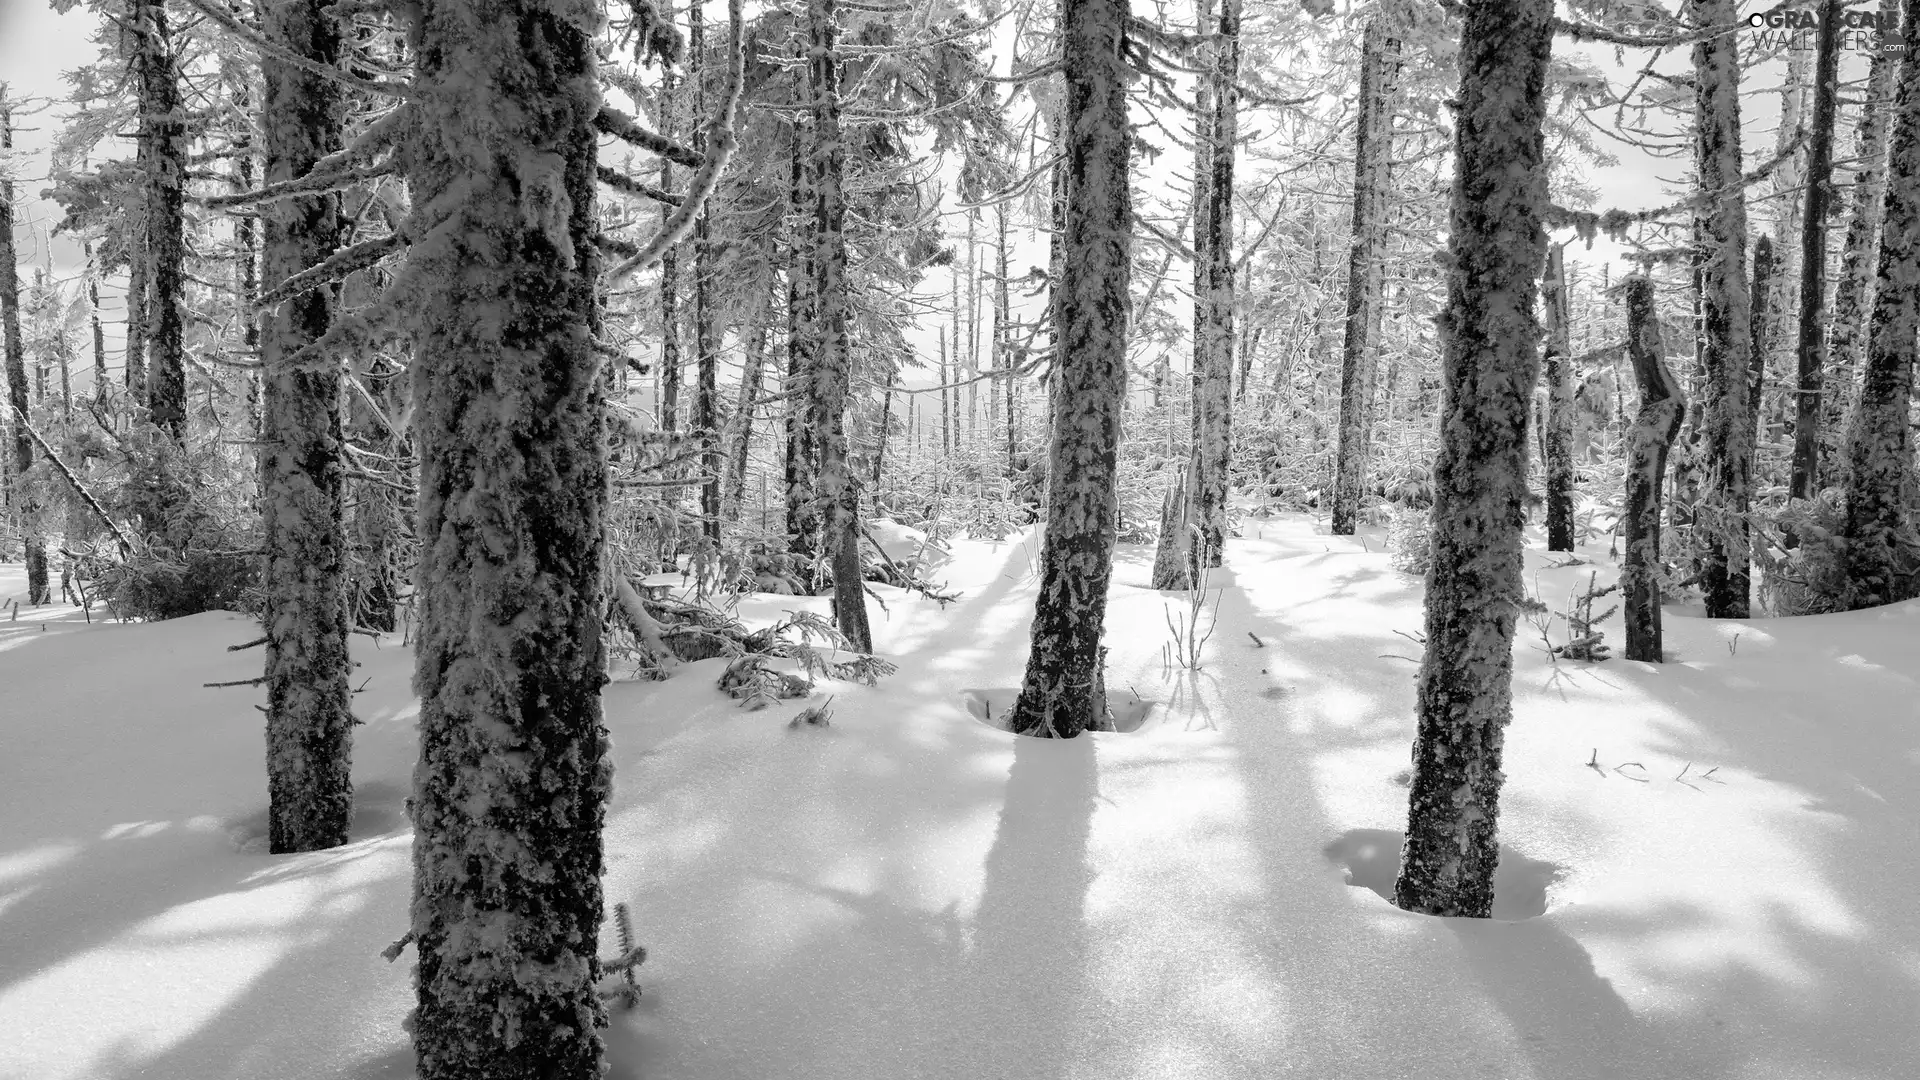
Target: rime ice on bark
column 1726, row 330
column 827, row 331
column 1880, row 444
column 1812, row 343
column 16, row 370
column 309, row 727
column 1556, row 443
column 1655, row 426
column 1853, row 295
column 802, row 457
column 1366, row 269
column 1490, row 343
column 1058, row 692
column 510, row 790
column 163, row 135
column 1213, row 342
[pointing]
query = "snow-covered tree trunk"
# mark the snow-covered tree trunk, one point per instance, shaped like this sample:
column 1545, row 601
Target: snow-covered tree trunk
column 1655, row 426
column 1726, row 330
column 135, row 370
column 832, row 350
column 94, row 324
column 1366, row 268
column 753, row 371
column 16, row 371
column 1853, row 294
column 302, row 507
column 802, row 457
column 1490, row 343
column 1058, row 692
column 1880, row 548
column 510, row 792
column 1776, row 307
column 706, row 338
column 163, row 131
column 1812, row 343
column 1763, row 274
column 1556, row 443
column 1213, row 280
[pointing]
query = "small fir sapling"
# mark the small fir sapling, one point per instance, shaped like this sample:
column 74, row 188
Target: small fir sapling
column 631, row 956
column 1584, row 640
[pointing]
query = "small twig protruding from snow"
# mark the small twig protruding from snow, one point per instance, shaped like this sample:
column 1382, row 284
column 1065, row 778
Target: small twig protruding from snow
column 1257, row 643
column 245, row 645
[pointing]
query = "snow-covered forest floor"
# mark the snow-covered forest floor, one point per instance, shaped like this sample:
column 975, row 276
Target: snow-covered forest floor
column 913, row 893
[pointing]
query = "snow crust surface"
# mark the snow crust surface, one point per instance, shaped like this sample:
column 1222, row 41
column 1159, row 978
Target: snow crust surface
column 912, row 893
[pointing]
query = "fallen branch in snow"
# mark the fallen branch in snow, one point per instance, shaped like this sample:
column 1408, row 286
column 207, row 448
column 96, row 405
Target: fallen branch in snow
column 1257, row 643
column 243, row 646
column 255, row 681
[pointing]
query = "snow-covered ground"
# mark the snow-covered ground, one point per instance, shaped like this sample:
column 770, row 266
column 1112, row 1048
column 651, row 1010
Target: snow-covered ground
column 912, row 893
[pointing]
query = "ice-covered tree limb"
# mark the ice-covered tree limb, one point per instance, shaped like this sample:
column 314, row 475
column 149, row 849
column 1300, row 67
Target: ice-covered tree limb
column 313, row 183
column 336, row 266
column 267, row 47
column 627, row 185
column 612, row 121
column 125, row 542
column 720, row 146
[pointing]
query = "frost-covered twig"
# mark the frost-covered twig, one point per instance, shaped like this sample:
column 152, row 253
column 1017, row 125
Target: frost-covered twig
column 267, row 47
column 720, row 146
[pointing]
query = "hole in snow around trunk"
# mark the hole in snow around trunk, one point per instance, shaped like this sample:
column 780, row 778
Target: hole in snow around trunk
column 991, row 707
column 1371, row 858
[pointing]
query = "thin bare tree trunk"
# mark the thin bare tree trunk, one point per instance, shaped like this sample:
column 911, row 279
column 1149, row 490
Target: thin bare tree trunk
column 1372, row 175
column 1812, row 351
column 163, row 130
column 1556, row 443
column 25, row 503
column 1654, row 428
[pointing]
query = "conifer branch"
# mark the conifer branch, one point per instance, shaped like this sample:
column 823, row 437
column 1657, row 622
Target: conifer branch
column 334, row 267
column 612, row 121
column 720, row 147
column 267, row 47
column 627, row 185
column 313, row 183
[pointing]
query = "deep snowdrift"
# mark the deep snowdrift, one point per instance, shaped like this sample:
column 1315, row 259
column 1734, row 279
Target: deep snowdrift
column 912, row 893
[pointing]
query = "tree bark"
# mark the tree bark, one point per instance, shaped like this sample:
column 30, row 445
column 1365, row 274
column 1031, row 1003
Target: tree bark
column 302, row 508
column 751, row 376
column 1366, row 268
column 25, row 503
column 1655, row 426
column 1880, row 547
column 802, row 457
column 832, row 355
column 1726, row 331
column 706, row 345
column 1213, row 338
column 1812, row 350
column 1490, row 345
column 1058, row 692
column 1556, row 445
column 163, row 130
column 510, row 792
column 1762, row 291
column 1853, row 294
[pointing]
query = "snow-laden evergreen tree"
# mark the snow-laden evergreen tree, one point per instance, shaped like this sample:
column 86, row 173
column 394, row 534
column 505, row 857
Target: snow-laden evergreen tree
column 1655, row 425
column 1726, row 332
column 510, row 791
column 1881, row 554
column 1490, row 341
column 1058, row 695
column 1366, row 265
column 302, row 505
